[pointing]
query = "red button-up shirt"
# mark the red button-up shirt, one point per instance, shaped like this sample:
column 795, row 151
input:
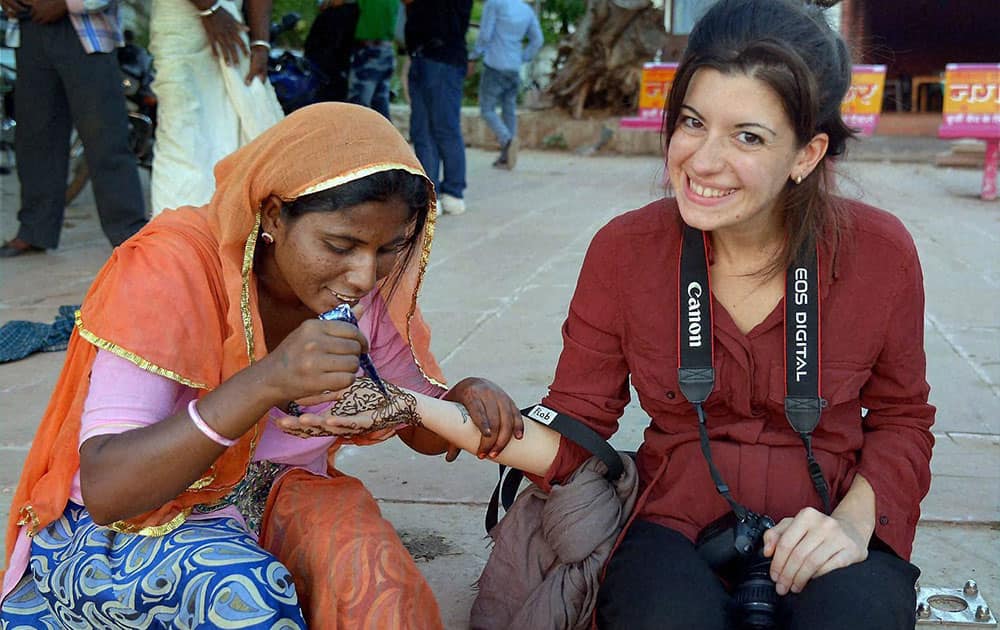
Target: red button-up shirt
column 622, row 325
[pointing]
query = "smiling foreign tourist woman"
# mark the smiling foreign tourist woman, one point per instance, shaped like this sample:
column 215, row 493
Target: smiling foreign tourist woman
column 751, row 300
column 161, row 490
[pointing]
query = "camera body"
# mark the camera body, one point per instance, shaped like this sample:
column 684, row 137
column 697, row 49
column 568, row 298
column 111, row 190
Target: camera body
column 733, row 547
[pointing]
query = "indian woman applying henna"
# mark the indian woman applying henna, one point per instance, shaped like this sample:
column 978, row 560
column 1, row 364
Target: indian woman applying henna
column 162, row 489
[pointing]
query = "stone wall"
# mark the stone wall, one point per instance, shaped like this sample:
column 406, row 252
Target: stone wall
column 553, row 129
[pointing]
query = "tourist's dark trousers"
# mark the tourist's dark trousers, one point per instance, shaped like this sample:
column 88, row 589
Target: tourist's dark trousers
column 656, row 580
column 60, row 86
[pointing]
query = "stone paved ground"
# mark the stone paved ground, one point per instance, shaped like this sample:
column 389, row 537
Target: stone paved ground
column 496, row 293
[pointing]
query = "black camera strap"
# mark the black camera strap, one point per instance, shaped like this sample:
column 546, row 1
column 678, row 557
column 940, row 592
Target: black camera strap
column 696, row 365
column 803, row 334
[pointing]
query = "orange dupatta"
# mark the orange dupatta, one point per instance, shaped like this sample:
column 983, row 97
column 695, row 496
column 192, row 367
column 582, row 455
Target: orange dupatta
column 209, row 327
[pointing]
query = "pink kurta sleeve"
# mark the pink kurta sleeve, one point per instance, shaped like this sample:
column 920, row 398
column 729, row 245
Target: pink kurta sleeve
column 391, row 354
column 124, row 396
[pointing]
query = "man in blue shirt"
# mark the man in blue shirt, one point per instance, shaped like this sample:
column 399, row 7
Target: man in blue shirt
column 503, row 28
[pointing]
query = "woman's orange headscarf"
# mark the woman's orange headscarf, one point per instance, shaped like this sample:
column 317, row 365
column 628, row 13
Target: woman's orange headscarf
column 209, row 328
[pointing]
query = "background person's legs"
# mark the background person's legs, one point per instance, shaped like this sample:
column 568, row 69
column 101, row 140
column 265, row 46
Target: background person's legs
column 490, row 92
column 499, row 88
column 371, row 70
column 508, row 107
column 361, row 86
column 657, row 581
column 508, row 101
column 93, row 88
column 421, row 89
column 444, row 99
column 42, row 139
column 380, row 99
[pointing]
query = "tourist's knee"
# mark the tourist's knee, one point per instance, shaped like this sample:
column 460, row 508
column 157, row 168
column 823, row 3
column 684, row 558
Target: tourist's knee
column 880, row 590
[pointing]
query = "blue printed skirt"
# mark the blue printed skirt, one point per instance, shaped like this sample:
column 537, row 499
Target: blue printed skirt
column 205, row 574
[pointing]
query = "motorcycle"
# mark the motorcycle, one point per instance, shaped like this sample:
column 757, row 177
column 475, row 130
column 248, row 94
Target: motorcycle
column 296, row 80
column 137, row 76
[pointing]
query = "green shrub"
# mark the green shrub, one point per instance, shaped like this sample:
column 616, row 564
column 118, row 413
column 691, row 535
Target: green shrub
column 558, row 17
column 307, row 9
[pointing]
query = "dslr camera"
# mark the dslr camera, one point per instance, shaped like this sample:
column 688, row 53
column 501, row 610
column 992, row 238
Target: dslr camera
column 733, row 547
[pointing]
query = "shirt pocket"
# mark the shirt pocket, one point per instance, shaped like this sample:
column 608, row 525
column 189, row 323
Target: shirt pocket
column 840, row 383
column 659, row 391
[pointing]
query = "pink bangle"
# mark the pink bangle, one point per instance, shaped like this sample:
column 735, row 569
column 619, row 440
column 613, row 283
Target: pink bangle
column 208, row 431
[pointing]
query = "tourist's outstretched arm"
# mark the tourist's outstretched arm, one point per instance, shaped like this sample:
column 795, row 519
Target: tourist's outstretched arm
column 364, row 408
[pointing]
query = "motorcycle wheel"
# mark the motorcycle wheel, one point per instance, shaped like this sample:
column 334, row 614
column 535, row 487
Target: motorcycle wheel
column 78, row 172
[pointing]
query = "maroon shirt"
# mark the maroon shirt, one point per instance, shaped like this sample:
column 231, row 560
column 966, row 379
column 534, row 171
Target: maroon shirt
column 622, row 324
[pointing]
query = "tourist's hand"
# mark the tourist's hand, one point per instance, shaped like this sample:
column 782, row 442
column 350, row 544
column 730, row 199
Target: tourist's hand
column 811, row 545
column 316, row 359
column 225, row 34
column 491, row 410
column 47, row 11
column 258, row 65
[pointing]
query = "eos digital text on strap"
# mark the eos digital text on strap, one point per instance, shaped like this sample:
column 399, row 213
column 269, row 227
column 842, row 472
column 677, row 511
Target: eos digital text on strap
column 696, row 351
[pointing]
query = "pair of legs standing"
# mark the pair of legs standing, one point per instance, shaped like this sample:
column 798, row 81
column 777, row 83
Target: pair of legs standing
column 206, row 110
column 499, row 87
column 656, row 579
column 436, row 126
column 60, row 87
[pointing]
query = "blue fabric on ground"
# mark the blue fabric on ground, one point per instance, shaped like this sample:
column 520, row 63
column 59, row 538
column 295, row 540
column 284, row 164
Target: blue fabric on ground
column 18, row 339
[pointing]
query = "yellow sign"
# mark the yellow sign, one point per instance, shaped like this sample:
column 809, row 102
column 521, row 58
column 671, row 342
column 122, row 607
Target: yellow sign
column 655, row 88
column 862, row 105
column 972, row 95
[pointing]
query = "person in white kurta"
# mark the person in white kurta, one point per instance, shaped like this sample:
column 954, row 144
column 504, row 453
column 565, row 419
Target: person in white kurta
column 213, row 92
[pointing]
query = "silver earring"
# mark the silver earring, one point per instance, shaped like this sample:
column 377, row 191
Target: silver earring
column 267, row 238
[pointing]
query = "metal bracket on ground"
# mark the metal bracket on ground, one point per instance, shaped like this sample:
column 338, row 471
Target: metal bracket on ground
column 953, row 606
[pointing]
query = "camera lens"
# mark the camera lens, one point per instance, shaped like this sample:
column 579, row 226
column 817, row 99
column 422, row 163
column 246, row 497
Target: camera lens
column 755, row 598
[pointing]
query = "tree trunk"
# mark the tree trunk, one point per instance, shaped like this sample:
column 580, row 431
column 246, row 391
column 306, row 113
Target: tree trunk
column 600, row 65
column 601, row 62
